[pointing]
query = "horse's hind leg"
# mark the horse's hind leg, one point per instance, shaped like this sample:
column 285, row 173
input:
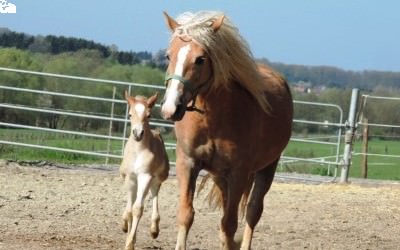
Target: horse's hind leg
column 262, row 182
column 155, row 216
column 232, row 189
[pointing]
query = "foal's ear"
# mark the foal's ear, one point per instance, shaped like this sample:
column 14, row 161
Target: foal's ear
column 217, row 23
column 128, row 98
column 172, row 24
column 126, row 95
column 152, row 100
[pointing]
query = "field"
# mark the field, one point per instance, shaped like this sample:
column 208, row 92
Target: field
column 386, row 168
column 53, row 207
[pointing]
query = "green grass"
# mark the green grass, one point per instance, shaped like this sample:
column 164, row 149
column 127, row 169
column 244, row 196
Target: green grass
column 50, row 139
column 378, row 167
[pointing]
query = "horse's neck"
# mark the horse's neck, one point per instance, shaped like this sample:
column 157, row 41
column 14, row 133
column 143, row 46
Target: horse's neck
column 218, row 102
column 211, row 106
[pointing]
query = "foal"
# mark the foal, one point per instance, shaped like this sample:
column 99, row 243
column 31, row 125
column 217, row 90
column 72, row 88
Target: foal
column 144, row 167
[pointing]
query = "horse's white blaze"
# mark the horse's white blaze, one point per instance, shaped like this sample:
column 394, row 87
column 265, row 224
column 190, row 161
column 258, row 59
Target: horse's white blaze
column 139, row 108
column 172, row 94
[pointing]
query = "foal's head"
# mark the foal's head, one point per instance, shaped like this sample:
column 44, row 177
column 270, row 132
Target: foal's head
column 190, row 69
column 139, row 113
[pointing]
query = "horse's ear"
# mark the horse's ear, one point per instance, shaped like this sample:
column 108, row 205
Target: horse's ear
column 217, row 23
column 152, row 100
column 172, row 24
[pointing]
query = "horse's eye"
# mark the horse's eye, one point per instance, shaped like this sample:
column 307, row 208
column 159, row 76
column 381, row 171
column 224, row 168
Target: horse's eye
column 167, row 57
column 199, row 60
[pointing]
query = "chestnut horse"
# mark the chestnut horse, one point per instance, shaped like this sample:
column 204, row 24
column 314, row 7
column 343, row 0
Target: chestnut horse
column 232, row 118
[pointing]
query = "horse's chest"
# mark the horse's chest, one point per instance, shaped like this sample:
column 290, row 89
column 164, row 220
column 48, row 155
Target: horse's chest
column 198, row 142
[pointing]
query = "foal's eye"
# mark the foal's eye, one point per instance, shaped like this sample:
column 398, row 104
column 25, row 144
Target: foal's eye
column 167, row 57
column 199, row 60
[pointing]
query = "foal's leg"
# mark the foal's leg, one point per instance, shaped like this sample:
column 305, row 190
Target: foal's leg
column 262, row 182
column 143, row 181
column 234, row 188
column 187, row 174
column 131, row 186
column 155, row 216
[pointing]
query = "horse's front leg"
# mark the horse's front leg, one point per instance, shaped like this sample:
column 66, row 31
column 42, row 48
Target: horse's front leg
column 187, row 173
column 143, row 183
column 131, row 186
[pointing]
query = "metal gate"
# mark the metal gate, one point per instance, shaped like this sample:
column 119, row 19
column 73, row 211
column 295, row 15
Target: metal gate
column 111, row 117
column 333, row 140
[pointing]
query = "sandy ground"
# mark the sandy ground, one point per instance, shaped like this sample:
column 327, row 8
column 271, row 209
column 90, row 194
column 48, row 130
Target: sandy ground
column 49, row 207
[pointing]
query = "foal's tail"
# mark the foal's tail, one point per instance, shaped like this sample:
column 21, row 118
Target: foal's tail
column 214, row 196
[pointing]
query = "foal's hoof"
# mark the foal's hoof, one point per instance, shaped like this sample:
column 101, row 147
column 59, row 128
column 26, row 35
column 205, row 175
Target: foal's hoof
column 124, row 226
column 129, row 247
column 154, row 233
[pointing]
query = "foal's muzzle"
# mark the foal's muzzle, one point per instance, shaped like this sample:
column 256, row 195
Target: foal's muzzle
column 138, row 134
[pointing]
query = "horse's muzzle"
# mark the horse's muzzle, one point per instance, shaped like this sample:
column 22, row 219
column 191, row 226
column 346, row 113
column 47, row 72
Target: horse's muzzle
column 173, row 112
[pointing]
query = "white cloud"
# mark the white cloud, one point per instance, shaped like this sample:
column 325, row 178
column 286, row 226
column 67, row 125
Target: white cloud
column 6, row 7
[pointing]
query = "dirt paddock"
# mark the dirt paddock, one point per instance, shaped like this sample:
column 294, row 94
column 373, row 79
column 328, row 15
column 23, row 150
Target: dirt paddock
column 49, row 207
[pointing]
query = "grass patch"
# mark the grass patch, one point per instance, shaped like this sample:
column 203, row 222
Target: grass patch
column 387, row 168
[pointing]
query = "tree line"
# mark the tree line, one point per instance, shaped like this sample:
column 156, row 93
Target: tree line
column 61, row 44
column 314, row 75
column 85, row 59
column 86, row 63
column 334, row 77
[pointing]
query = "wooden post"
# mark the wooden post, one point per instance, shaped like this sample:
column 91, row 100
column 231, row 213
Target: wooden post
column 364, row 162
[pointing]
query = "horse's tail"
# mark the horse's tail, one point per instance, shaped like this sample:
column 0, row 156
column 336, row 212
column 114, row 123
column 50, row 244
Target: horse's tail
column 214, row 196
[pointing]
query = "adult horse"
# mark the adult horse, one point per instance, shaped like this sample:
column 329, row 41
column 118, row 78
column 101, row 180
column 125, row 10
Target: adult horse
column 232, row 118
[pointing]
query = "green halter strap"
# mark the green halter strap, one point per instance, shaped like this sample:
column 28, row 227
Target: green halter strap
column 187, row 85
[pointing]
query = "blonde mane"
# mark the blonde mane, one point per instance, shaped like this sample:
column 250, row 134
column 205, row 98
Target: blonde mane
column 230, row 54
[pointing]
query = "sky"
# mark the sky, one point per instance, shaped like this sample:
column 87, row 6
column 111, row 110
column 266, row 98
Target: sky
column 348, row 34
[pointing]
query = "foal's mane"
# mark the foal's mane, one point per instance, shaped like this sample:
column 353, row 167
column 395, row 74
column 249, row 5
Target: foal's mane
column 230, row 54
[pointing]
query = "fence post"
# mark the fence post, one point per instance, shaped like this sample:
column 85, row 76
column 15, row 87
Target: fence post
column 111, row 126
column 348, row 139
column 364, row 162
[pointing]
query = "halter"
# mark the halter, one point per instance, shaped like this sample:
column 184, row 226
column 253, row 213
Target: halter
column 187, row 85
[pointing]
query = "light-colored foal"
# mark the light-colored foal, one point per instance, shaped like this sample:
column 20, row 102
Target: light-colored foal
column 144, row 167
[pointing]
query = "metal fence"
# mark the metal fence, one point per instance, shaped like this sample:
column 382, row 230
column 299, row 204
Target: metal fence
column 334, row 139
column 363, row 122
column 112, row 117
